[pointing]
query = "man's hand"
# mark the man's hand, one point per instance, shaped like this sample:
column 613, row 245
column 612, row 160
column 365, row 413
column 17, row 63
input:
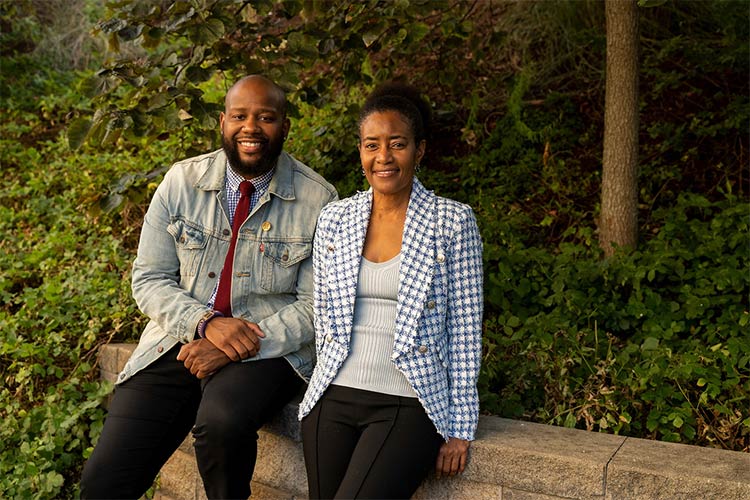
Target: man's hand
column 452, row 456
column 237, row 338
column 202, row 358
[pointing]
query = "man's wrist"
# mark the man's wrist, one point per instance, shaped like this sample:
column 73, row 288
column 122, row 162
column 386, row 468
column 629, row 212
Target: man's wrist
column 201, row 329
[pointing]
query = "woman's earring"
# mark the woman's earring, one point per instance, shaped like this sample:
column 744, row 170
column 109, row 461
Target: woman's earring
column 363, row 172
column 418, row 167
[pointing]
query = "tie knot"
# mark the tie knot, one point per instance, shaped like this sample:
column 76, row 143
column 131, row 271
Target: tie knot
column 246, row 188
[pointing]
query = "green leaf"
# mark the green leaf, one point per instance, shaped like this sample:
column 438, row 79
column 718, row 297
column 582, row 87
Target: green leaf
column 417, row 31
column 97, row 85
column 651, row 3
column 77, row 132
column 650, row 344
column 370, row 37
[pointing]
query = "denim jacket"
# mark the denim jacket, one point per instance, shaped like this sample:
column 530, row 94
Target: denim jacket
column 184, row 241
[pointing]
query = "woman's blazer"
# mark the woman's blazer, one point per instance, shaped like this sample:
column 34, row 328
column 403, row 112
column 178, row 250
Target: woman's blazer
column 438, row 336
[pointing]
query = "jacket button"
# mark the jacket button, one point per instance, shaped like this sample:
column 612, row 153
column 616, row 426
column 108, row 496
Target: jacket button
column 331, row 248
column 160, row 349
column 182, row 239
column 285, row 257
column 329, row 338
column 122, row 376
column 422, row 349
column 226, row 232
column 431, row 304
column 266, row 226
column 212, row 274
column 440, row 258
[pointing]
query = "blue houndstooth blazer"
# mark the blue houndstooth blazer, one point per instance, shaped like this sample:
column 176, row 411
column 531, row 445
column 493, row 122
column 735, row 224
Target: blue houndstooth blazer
column 439, row 313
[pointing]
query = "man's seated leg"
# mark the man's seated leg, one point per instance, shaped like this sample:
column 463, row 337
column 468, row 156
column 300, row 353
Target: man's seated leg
column 236, row 402
column 148, row 418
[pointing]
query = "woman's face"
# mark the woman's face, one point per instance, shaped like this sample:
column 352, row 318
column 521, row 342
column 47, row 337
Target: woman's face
column 388, row 152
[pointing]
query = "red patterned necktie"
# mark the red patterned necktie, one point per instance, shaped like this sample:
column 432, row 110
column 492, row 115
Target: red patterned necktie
column 223, row 302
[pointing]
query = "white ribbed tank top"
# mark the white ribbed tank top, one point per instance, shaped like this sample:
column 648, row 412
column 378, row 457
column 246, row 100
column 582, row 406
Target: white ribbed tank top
column 369, row 365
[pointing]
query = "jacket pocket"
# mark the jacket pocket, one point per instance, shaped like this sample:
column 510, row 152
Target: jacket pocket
column 280, row 263
column 433, row 342
column 190, row 243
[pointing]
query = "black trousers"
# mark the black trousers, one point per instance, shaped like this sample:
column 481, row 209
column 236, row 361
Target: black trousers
column 363, row 444
column 151, row 414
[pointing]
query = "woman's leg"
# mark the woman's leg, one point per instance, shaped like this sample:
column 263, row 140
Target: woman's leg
column 329, row 435
column 363, row 444
column 396, row 451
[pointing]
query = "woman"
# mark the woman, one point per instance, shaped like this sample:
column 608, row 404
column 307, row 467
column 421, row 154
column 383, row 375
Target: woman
column 398, row 317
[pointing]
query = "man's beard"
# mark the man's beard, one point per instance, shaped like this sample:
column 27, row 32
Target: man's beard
column 252, row 169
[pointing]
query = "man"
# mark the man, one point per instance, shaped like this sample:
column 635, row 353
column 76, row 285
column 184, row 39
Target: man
column 227, row 342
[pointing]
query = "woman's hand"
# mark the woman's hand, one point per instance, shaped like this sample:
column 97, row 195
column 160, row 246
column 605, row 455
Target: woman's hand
column 452, row 457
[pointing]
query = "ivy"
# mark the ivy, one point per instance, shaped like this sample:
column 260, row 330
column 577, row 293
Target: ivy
column 650, row 343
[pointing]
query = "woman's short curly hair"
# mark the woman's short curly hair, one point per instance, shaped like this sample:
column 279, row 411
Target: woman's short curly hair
column 403, row 99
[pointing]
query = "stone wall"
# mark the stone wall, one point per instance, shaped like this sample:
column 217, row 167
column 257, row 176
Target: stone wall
column 510, row 460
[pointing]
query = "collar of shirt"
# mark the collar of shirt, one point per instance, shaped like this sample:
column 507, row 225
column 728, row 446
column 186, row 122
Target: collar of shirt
column 232, row 188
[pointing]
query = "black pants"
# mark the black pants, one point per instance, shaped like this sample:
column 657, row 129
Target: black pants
column 151, row 414
column 363, row 444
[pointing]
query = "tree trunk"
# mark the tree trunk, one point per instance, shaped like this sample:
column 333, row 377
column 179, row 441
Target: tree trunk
column 618, row 221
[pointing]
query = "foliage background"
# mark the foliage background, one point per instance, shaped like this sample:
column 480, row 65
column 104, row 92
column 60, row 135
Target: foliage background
column 651, row 343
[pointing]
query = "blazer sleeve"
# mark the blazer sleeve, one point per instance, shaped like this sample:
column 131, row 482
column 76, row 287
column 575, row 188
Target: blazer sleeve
column 464, row 325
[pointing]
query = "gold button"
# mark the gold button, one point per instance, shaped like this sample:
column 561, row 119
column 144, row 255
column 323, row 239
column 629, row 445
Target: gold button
column 285, row 257
column 160, row 349
column 422, row 349
column 431, row 304
column 266, row 226
column 440, row 258
column 329, row 338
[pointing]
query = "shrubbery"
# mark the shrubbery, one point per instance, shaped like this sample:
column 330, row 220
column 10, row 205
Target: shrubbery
column 651, row 343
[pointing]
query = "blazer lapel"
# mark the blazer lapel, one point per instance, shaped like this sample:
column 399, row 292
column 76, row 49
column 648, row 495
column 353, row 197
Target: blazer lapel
column 415, row 271
column 348, row 242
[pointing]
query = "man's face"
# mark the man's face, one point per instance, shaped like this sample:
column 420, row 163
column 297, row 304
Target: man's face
column 253, row 127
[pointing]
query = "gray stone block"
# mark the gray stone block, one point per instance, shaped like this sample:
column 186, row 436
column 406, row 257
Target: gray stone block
column 539, row 458
column 263, row 492
column 280, row 464
column 180, row 479
column 510, row 460
column 659, row 470
column 456, row 488
column 112, row 359
column 511, row 494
